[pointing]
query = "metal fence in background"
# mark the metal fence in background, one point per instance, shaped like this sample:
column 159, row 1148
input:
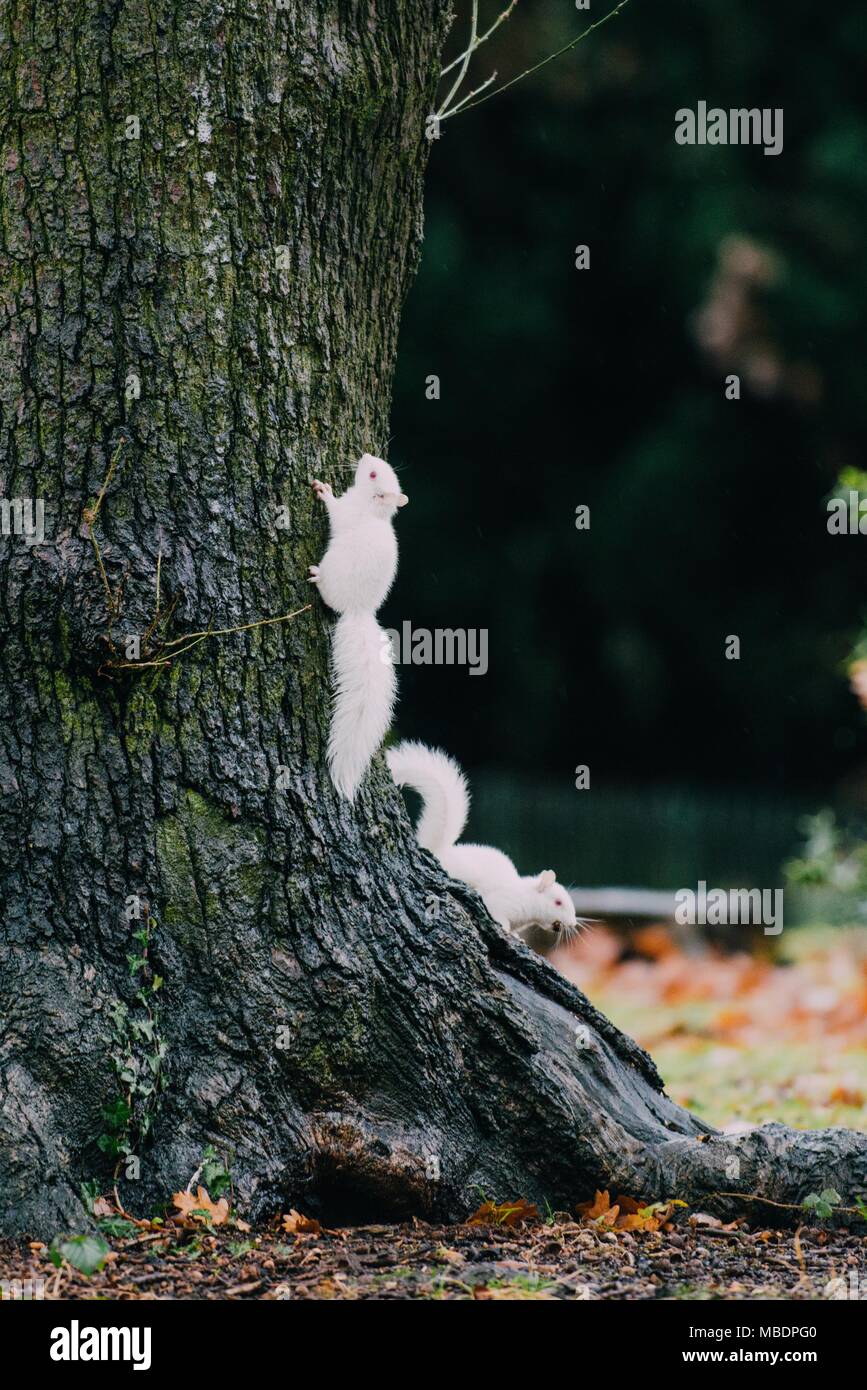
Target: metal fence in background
column 664, row 838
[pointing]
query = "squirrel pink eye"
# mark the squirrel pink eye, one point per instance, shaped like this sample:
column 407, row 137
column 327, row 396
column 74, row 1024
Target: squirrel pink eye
column 373, row 475
column 558, row 902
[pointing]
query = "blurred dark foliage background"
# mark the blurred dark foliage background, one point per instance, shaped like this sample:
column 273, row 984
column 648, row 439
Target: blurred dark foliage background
column 606, row 387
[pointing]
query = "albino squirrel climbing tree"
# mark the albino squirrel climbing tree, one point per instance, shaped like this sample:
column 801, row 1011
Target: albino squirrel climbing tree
column 210, row 217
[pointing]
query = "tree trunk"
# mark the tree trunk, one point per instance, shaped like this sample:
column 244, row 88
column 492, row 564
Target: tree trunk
column 209, row 219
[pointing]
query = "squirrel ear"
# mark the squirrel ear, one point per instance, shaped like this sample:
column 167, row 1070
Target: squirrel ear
column 545, row 879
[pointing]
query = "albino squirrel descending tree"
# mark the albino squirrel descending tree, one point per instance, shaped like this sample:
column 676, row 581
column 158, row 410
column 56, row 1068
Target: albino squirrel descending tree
column 354, row 577
column 514, row 900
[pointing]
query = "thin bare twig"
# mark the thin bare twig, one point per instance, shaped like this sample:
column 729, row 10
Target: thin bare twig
column 193, row 639
column 784, row 1206
column 468, row 53
column 110, row 600
column 458, row 106
column 528, row 72
column 242, row 627
column 120, row 1206
column 90, row 515
column 159, row 618
column 178, row 645
column 482, row 37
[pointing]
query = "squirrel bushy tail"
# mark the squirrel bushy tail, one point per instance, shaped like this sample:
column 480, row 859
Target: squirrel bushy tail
column 442, row 787
column 364, row 695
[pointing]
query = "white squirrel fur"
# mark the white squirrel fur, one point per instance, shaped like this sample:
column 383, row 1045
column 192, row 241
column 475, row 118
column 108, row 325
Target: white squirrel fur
column 354, row 577
column 514, row 900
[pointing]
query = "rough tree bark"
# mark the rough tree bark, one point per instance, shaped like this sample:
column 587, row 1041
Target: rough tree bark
column 210, row 214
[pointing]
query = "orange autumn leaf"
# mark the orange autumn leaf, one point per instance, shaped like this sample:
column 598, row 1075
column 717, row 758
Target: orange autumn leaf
column 201, row 1209
column 730, row 1020
column 504, row 1213
column 655, row 942
column 591, row 1211
column 657, row 1215
column 627, row 1214
column 297, row 1225
column 634, row 1222
column 628, row 1205
column 332, row 1288
column 846, row 1095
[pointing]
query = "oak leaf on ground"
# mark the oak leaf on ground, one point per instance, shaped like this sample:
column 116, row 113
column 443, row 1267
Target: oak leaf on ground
column 504, row 1213
column 200, row 1210
column 297, row 1225
column 627, row 1214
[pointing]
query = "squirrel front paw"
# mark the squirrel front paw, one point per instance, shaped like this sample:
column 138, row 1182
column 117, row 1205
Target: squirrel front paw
column 313, row 574
column 322, row 490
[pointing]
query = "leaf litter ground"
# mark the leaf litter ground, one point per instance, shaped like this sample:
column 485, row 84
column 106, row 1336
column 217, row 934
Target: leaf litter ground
column 738, row 1038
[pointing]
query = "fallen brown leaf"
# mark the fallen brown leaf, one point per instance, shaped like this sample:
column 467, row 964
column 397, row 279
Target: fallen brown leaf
column 297, row 1225
column 505, row 1214
column 200, row 1210
column 591, row 1211
column 452, row 1257
column 627, row 1214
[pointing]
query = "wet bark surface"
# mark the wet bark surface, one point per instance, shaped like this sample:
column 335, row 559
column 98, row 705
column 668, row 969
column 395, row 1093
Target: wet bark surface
column 210, row 217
